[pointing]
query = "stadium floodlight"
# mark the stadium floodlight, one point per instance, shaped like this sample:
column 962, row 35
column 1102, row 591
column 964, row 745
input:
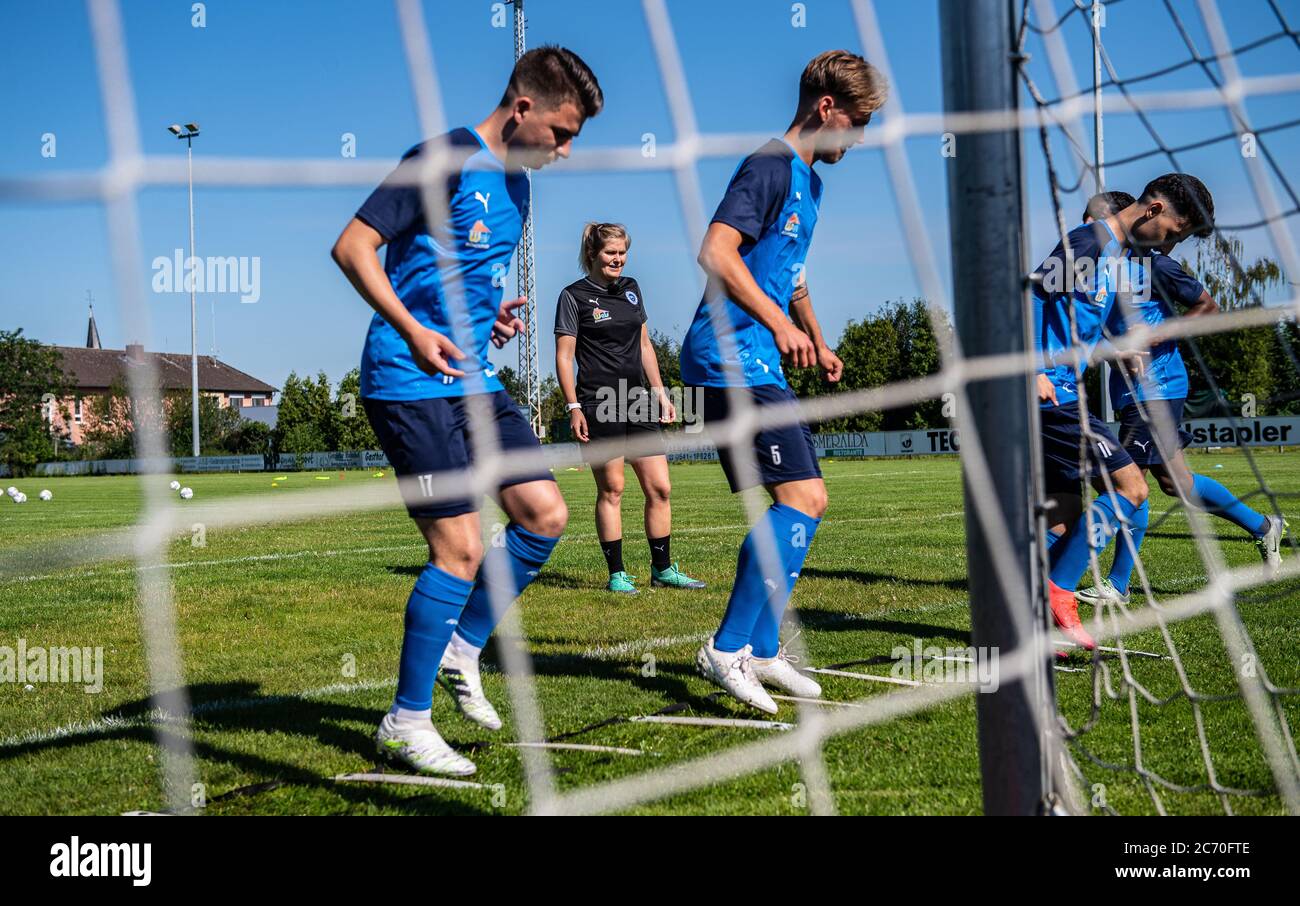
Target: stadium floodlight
column 188, row 133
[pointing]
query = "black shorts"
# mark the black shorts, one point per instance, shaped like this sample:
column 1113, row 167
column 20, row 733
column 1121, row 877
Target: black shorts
column 783, row 454
column 424, row 437
column 1062, row 435
column 1138, row 427
column 637, row 424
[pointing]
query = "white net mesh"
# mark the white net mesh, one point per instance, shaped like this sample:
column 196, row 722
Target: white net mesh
column 1115, row 675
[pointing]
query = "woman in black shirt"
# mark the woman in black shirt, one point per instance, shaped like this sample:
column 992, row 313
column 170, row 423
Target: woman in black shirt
column 600, row 323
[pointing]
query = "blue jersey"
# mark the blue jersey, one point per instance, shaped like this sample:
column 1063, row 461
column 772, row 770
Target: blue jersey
column 1089, row 290
column 1160, row 287
column 431, row 265
column 772, row 202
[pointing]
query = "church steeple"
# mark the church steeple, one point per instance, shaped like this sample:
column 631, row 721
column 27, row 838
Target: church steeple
column 92, row 332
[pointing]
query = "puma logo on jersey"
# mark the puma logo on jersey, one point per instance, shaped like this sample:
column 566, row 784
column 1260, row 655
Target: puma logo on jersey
column 479, row 196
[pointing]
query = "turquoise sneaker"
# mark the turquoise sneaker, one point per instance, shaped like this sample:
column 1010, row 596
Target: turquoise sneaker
column 672, row 577
column 621, row 582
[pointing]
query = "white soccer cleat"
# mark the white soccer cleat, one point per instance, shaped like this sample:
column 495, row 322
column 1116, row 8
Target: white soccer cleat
column 459, row 676
column 734, row 672
column 1270, row 544
column 1106, row 593
column 420, row 748
column 781, row 673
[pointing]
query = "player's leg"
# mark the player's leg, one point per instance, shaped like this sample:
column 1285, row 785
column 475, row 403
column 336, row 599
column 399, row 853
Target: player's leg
column 421, row 438
column 538, row 515
column 1062, row 434
column 1178, row 481
column 610, row 480
column 1063, row 509
column 770, row 556
column 656, row 486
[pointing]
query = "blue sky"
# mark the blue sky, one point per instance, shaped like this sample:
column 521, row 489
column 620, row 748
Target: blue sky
column 287, row 79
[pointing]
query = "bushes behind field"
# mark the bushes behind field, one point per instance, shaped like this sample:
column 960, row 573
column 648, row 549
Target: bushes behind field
column 897, row 343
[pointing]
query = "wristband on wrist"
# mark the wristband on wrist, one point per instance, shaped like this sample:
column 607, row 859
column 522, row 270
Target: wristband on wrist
column 572, row 406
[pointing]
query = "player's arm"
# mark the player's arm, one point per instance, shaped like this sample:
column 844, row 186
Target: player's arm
column 720, row 258
column 357, row 254
column 650, row 365
column 1205, row 305
column 566, row 346
column 1042, row 384
column 801, row 312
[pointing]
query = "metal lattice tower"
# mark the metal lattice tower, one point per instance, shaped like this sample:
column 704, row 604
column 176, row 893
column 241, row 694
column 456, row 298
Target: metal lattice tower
column 529, row 370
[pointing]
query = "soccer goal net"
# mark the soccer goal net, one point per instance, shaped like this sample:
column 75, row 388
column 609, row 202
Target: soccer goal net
column 1179, row 707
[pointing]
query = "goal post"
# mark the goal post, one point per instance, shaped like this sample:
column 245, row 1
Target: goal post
column 990, row 294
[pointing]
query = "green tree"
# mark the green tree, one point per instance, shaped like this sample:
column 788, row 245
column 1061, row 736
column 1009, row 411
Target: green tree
column 217, row 425
column 668, row 352
column 350, row 429
column 305, row 420
column 31, row 375
column 1241, row 361
column 510, row 381
column 108, row 426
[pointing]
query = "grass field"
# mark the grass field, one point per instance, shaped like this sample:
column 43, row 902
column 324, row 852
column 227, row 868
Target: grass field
column 271, row 616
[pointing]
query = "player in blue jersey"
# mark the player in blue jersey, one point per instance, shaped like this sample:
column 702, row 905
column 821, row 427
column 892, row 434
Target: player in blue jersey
column 438, row 303
column 756, row 315
column 1150, row 408
column 1075, row 298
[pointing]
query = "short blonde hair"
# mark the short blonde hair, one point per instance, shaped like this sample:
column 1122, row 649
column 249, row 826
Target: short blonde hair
column 848, row 78
column 594, row 237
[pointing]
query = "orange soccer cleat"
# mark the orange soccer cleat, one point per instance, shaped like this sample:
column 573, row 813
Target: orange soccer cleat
column 1065, row 612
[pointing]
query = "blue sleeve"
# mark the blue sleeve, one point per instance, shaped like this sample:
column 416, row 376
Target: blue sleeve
column 755, row 195
column 395, row 206
column 1040, row 364
column 1173, row 284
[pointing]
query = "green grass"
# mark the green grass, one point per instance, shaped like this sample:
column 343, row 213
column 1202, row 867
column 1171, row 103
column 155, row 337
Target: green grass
column 269, row 617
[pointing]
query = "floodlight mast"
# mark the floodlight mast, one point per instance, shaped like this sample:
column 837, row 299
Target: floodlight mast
column 188, row 134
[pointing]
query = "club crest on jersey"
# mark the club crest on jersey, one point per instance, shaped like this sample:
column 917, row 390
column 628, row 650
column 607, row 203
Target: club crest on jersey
column 631, row 297
column 479, row 235
column 599, row 314
column 791, row 227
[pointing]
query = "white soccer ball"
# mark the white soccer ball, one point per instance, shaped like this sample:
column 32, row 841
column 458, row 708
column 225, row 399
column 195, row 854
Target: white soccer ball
column 175, row 485
column 11, row 491
column 46, row 495
column 187, row 493
column 20, row 497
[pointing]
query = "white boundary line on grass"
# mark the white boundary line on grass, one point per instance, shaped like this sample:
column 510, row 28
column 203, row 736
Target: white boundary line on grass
column 862, row 676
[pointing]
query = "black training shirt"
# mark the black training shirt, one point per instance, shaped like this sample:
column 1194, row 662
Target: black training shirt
column 606, row 320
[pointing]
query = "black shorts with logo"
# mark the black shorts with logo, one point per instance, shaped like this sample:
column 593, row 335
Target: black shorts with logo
column 422, row 438
column 783, row 454
column 1138, row 429
column 1062, row 435
column 635, row 423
